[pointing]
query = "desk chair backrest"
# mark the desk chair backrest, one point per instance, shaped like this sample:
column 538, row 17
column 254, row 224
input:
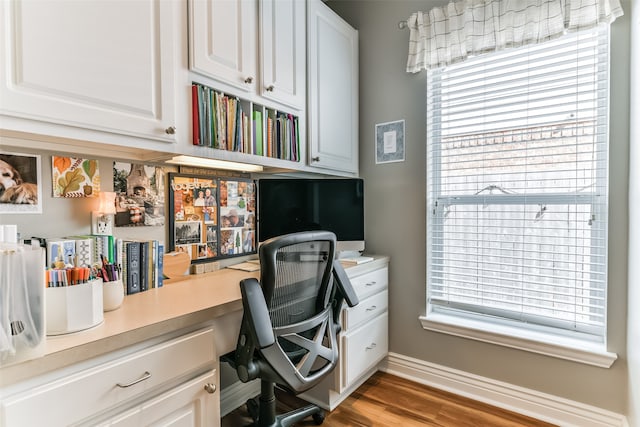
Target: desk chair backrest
column 288, row 332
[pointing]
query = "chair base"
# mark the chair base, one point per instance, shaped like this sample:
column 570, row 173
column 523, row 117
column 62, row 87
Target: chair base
column 262, row 410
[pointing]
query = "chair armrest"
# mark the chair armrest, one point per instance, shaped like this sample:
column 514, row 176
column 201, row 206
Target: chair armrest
column 256, row 312
column 344, row 284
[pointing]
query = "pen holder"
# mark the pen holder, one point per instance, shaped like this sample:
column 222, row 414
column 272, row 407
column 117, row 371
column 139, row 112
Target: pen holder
column 74, row 308
column 112, row 295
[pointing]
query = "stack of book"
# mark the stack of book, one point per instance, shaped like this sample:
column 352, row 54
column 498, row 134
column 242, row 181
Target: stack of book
column 221, row 121
column 139, row 261
column 283, row 140
column 141, row 264
column 79, row 251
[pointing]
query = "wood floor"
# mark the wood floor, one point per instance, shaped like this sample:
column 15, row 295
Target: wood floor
column 388, row 401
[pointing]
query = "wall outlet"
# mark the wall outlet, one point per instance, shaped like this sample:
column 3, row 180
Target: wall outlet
column 101, row 224
column 103, row 227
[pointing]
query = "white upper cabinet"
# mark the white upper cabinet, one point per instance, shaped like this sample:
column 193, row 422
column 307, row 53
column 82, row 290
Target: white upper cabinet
column 257, row 46
column 282, row 43
column 223, row 41
column 333, row 90
column 101, row 65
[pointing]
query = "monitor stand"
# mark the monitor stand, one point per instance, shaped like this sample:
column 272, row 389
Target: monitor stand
column 348, row 254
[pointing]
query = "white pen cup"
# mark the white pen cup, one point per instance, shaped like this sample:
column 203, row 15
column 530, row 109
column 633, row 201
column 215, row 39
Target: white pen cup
column 112, row 295
column 74, row 308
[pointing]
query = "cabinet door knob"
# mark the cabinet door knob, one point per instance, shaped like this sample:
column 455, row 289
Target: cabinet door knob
column 170, row 130
column 315, row 159
column 210, row 388
column 270, row 88
column 248, row 80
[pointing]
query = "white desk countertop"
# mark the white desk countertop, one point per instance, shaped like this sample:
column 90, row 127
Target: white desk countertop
column 179, row 304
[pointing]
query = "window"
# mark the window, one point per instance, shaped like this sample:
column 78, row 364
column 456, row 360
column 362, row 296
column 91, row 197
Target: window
column 517, row 188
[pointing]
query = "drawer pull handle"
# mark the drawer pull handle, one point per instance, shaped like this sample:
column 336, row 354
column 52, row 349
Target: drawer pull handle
column 372, row 346
column 145, row 376
column 373, row 307
column 210, row 388
column 371, row 283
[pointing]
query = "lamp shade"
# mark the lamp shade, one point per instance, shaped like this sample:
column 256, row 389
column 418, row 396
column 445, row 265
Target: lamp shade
column 107, row 202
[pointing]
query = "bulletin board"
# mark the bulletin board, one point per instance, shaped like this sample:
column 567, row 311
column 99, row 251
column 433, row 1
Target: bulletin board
column 211, row 217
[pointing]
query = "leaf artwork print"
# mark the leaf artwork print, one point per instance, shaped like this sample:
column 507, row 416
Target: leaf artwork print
column 75, row 177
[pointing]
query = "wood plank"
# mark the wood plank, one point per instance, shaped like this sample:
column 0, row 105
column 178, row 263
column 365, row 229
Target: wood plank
column 386, row 400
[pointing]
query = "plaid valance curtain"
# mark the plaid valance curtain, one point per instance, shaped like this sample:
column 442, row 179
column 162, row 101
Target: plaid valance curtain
column 447, row 35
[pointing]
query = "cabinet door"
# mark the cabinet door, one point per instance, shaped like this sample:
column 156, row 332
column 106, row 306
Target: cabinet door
column 100, row 64
column 188, row 405
column 333, row 90
column 223, row 40
column 283, row 47
column 362, row 348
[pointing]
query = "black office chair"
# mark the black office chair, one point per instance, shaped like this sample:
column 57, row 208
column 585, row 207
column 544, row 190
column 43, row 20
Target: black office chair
column 290, row 322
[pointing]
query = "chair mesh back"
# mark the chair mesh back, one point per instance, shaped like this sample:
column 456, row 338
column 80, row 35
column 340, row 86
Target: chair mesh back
column 296, row 280
column 301, row 281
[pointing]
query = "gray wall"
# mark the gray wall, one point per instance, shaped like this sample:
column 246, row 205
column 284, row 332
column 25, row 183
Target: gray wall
column 633, row 340
column 67, row 217
column 395, row 215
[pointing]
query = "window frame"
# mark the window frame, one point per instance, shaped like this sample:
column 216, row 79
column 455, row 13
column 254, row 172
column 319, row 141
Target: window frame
column 542, row 339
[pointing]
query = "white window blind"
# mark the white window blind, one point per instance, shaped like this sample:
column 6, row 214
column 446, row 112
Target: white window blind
column 517, row 185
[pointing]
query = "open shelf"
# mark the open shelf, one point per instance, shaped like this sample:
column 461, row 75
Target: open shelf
column 229, row 123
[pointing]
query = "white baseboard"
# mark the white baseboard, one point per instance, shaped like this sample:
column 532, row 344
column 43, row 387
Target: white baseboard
column 524, row 401
column 237, row 394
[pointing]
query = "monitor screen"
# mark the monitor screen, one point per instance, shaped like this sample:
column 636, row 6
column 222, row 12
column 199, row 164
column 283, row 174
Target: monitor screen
column 292, row 205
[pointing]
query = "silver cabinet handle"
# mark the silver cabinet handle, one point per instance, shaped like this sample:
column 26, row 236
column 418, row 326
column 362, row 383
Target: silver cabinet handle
column 171, row 130
column 370, row 283
column 210, row 388
column 248, row 80
column 315, row 159
column 371, row 347
column 270, row 88
column 373, row 307
column 144, row 376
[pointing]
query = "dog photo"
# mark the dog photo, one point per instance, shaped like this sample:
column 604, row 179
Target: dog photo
column 20, row 190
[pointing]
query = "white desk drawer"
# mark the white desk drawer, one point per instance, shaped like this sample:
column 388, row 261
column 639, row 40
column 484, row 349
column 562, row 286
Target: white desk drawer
column 187, row 404
column 88, row 392
column 365, row 310
column 363, row 348
column 370, row 283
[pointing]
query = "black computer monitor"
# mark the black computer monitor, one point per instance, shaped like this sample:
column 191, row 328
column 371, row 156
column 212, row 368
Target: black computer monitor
column 292, row 205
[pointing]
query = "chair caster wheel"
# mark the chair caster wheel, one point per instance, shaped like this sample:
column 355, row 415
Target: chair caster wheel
column 318, row 418
column 254, row 409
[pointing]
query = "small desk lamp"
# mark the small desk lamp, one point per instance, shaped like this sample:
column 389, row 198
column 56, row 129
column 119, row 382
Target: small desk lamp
column 102, row 219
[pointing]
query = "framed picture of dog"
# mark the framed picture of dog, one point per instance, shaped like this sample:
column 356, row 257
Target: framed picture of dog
column 20, row 183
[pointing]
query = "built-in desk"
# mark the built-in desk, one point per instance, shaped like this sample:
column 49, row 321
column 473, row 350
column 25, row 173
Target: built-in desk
column 157, row 356
column 153, row 359
column 179, row 304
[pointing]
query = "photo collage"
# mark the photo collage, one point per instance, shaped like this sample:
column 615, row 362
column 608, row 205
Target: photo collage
column 212, row 217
